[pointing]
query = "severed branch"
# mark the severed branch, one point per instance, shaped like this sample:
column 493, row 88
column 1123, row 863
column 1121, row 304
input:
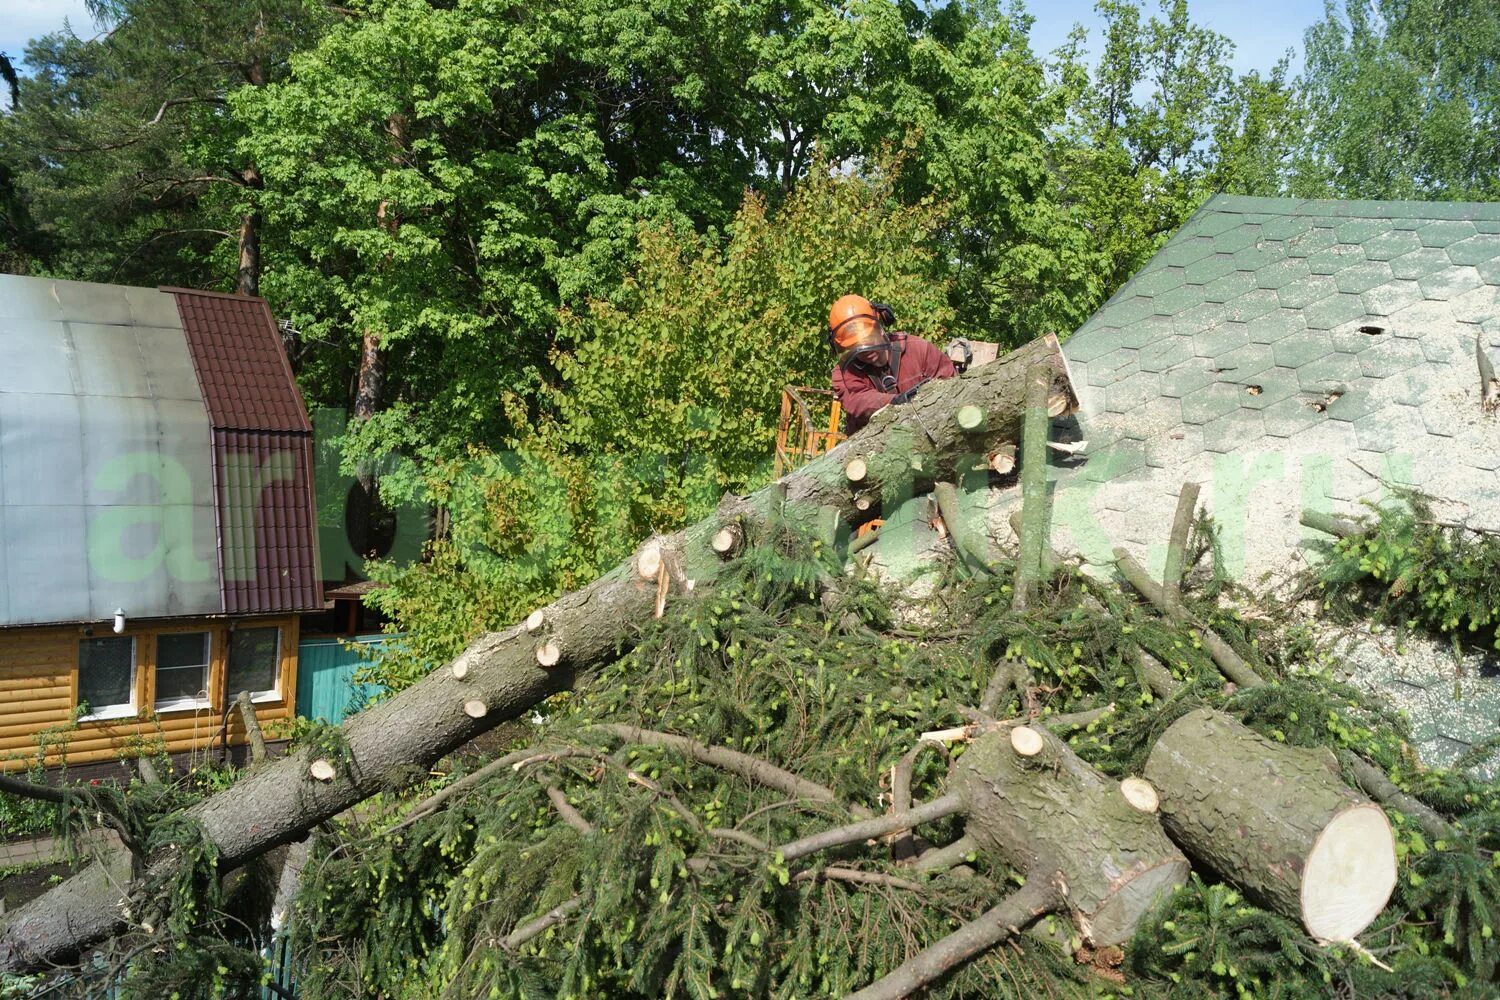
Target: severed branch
column 1380, row 788
column 878, row 826
column 744, row 765
column 1489, row 385
column 1008, row 673
column 567, row 813
column 1040, row 895
column 1328, row 524
column 252, row 728
column 1157, row 677
column 855, row 876
column 534, row 928
column 1230, row 662
column 1034, row 543
column 901, row 791
column 951, row 856
column 969, row 544
column 1182, row 523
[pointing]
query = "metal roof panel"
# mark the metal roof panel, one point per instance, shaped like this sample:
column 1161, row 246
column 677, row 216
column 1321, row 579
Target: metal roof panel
column 109, row 361
column 28, row 298
column 106, row 474
column 86, row 302
column 41, row 449
column 38, row 357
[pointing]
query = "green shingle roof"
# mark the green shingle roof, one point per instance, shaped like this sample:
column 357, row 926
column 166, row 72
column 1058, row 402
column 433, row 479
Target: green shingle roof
column 1297, row 299
column 1287, row 354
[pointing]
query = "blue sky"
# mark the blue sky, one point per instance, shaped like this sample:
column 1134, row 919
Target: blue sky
column 1262, row 30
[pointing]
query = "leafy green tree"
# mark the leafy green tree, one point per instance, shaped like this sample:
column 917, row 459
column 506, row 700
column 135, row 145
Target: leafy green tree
column 18, row 238
column 669, row 396
column 1159, row 125
column 124, row 143
column 1404, row 101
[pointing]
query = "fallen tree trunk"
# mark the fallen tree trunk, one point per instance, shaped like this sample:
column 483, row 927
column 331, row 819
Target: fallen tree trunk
column 1040, row 808
column 1275, row 820
column 503, row 674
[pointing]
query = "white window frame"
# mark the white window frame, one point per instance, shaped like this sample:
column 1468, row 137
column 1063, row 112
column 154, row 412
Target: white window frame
column 186, row 704
column 256, row 697
column 128, row 710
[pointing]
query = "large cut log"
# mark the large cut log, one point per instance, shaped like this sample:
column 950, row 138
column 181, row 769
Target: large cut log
column 506, row 673
column 1040, row 808
column 1277, row 821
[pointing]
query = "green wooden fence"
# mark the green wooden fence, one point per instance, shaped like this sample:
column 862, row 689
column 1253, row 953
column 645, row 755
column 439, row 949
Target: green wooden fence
column 326, row 688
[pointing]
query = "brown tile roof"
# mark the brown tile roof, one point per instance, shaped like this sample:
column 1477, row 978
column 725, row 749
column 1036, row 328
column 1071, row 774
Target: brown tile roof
column 267, row 530
column 262, row 454
column 246, row 379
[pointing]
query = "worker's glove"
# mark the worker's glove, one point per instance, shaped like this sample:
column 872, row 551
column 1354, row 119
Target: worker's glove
column 907, row 396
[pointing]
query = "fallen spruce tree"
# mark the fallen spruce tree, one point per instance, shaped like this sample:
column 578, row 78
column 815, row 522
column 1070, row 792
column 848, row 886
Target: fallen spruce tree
column 779, row 791
column 782, row 792
column 504, row 674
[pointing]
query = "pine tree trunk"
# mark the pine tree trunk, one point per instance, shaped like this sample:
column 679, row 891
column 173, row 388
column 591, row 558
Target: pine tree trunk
column 1275, row 820
column 1052, row 812
column 503, row 674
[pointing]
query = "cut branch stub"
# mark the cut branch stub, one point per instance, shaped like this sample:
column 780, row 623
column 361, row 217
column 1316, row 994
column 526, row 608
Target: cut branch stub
column 1003, row 459
column 648, row 561
column 1026, row 741
column 476, row 709
column 1058, row 404
column 856, row 469
column 1141, row 794
column 726, row 541
column 535, row 621
column 969, row 417
column 549, row 653
column 460, row 669
column 321, row 770
column 1277, row 821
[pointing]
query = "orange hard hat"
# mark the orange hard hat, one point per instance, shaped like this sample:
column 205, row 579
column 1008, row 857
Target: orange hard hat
column 853, row 322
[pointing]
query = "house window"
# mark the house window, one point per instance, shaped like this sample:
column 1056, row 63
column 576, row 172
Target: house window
column 254, row 662
column 106, row 677
column 181, row 670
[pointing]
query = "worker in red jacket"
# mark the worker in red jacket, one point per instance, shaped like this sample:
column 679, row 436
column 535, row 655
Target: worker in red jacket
column 877, row 369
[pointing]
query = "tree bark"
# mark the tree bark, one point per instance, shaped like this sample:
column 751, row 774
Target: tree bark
column 1053, row 812
column 280, row 802
column 1275, row 820
column 1033, row 541
column 252, row 728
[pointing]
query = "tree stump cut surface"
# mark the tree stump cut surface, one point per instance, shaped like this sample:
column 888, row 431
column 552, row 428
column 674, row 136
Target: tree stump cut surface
column 1276, row 820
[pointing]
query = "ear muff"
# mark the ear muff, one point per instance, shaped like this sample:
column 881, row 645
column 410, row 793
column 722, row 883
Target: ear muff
column 886, row 314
